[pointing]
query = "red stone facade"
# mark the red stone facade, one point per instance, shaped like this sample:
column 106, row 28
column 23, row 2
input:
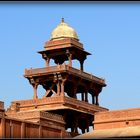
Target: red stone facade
column 39, row 125
column 117, row 119
column 59, row 109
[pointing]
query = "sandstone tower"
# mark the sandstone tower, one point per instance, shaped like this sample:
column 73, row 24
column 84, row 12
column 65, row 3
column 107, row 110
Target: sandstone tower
column 62, row 84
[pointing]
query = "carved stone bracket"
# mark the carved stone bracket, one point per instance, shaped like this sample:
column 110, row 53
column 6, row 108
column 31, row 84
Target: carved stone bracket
column 35, row 84
column 33, row 81
column 59, row 81
column 47, row 59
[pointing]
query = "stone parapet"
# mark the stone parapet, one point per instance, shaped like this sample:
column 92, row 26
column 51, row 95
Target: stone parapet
column 45, row 118
column 63, row 68
column 58, row 102
column 117, row 118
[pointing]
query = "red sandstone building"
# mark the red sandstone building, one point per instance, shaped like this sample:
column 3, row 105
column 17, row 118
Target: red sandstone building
column 59, row 113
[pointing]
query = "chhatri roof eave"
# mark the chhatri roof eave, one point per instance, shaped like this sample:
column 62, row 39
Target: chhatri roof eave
column 45, row 51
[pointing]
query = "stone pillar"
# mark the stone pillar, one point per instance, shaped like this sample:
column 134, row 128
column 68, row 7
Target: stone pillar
column 22, row 130
column 93, row 99
column 76, row 125
column 3, row 134
column 74, row 91
column 82, row 65
column 82, row 94
column 87, row 125
column 88, row 129
column 86, row 96
column 58, row 88
column 11, row 130
column 47, row 62
column 69, row 55
column 72, row 128
column 62, row 88
column 70, row 60
column 35, row 91
column 40, row 131
column 83, row 130
column 97, row 103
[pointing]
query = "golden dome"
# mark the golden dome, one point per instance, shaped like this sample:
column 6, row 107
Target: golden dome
column 63, row 30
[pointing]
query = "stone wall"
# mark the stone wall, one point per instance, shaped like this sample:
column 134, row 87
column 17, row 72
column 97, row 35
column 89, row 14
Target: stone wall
column 117, row 118
column 12, row 127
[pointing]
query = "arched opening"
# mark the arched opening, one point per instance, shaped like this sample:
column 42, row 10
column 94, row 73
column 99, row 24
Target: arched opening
column 52, row 63
column 82, row 123
column 66, row 62
column 69, row 89
column 40, row 91
column 92, row 96
column 79, row 131
column 78, row 95
column 65, row 93
column 89, row 98
column 76, row 64
column 90, row 128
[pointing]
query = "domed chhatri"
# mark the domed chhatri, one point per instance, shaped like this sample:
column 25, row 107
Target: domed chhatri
column 63, row 30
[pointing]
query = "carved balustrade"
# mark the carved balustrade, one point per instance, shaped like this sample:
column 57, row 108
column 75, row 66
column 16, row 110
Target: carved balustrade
column 62, row 100
column 60, row 68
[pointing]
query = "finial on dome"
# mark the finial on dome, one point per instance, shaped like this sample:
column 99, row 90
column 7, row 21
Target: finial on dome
column 62, row 20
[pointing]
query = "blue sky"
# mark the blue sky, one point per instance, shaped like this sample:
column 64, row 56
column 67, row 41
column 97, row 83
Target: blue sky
column 110, row 31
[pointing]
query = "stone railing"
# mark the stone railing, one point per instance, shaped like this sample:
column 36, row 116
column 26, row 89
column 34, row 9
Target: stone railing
column 66, row 101
column 43, row 101
column 41, row 70
column 60, row 68
column 37, row 114
column 51, row 116
column 83, row 104
column 87, row 75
